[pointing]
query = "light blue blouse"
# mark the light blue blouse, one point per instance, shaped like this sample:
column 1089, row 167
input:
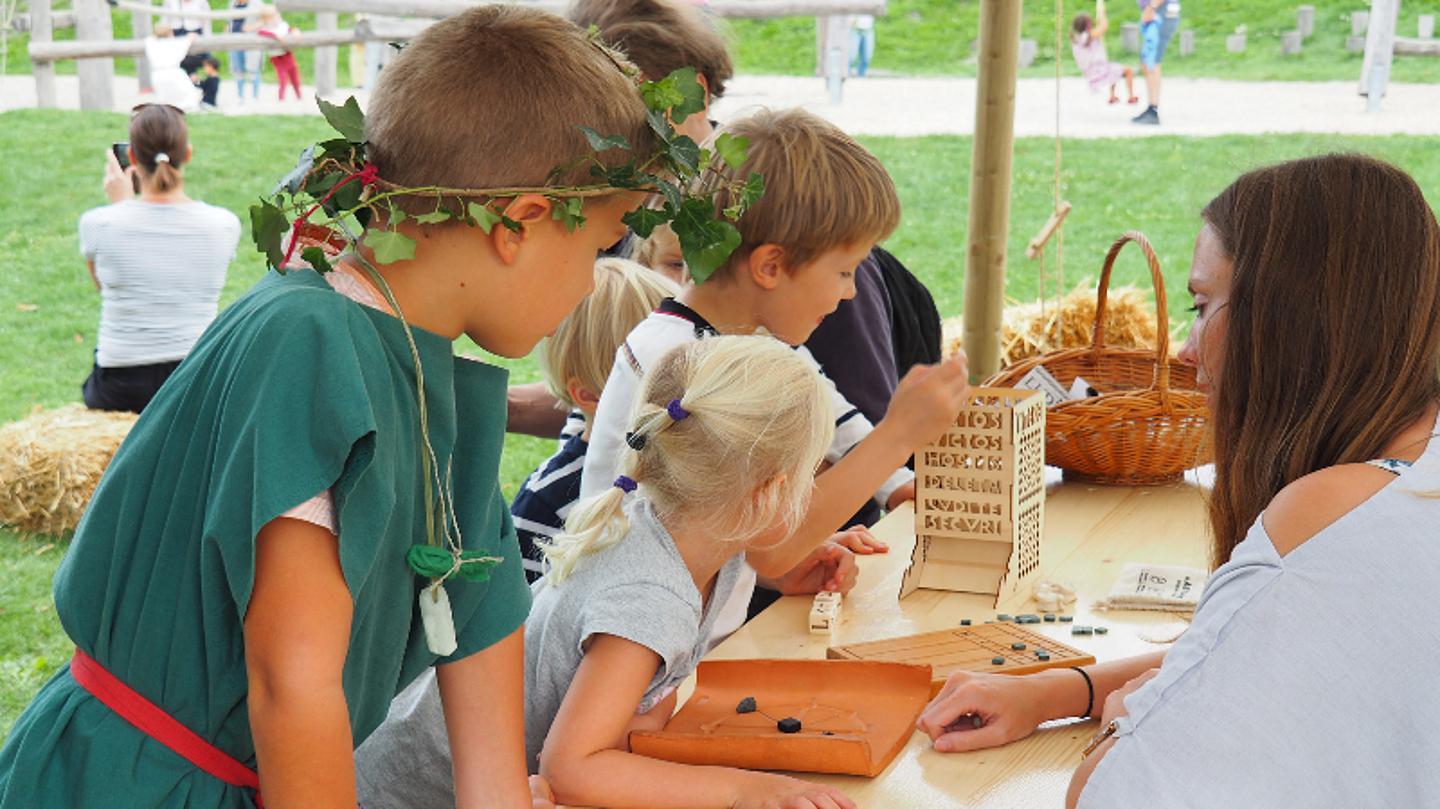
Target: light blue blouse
column 1311, row 680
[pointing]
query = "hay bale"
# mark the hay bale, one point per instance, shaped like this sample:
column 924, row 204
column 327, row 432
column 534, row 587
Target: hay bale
column 1028, row 329
column 51, row 462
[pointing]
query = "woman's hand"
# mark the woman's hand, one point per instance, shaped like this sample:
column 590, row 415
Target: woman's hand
column 1008, row 706
column 858, row 540
column 119, row 183
column 784, row 792
column 1115, row 703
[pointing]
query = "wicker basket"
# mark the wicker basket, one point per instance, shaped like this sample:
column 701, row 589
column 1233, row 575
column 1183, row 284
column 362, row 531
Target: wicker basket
column 1150, row 422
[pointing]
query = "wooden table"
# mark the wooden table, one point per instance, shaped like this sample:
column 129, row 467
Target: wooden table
column 1091, row 532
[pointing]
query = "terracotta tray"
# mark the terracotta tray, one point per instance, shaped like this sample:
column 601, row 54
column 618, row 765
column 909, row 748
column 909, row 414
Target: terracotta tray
column 855, row 716
column 970, row 648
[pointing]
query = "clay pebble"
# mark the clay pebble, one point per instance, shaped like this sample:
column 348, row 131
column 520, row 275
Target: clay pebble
column 746, row 705
column 788, row 725
column 1081, row 630
column 1065, row 619
column 1049, row 617
column 964, row 621
column 997, row 661
column 1100, row 630
column 1019, row 647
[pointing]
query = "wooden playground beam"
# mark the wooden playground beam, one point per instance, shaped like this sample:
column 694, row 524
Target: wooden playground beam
column 990, row 163
column 47, row 52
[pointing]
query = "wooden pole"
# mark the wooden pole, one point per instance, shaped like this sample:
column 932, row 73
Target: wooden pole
column 41, row 33
column 1379, row 45
column 97, row 76
column 327, row 57
column 990, row 184
column 141, row 26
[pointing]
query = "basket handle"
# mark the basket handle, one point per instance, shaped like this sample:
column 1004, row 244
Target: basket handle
column 1162, row 319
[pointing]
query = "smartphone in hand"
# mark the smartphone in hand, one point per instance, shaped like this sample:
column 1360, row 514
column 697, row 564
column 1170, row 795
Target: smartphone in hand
column 122, row 154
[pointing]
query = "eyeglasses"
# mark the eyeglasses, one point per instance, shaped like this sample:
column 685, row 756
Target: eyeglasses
column 135, row 110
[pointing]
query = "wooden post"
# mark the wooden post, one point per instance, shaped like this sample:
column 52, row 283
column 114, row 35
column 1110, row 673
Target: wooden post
column 1379, row 45
column 142, row 25
column 97, row 76
column 41, row 31
column 1305, row 21
column 990, row 184
column 326, row 58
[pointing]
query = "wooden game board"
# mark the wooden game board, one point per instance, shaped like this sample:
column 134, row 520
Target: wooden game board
column 855, row 716
column 969, row 648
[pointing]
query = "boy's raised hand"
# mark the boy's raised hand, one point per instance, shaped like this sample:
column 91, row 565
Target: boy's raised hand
column 927, row 400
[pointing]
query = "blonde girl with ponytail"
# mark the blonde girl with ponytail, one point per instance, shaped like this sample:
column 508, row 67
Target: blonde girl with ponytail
column 723, row 446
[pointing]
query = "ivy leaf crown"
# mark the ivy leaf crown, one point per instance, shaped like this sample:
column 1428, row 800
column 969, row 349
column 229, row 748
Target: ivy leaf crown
column 682, row 178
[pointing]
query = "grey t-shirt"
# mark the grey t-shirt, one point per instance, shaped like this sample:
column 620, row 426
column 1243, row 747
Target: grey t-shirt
column 638, row 589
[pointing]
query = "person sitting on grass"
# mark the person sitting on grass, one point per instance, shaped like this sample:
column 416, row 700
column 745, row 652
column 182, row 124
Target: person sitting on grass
column 1317, row 339
column 576, row 359
column 245, row 591
column 1087, row 43
column 732, row 430
column 159, row 261
column 827, row 202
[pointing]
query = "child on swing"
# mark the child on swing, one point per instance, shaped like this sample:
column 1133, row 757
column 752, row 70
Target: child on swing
column 1087, row 43
column 729, row 432
column 239, row 590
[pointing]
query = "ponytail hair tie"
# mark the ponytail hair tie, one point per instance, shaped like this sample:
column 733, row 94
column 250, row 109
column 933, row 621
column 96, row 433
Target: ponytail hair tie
column 677, row 413
column 161, row 157
column 625, row 484
column 635, row 441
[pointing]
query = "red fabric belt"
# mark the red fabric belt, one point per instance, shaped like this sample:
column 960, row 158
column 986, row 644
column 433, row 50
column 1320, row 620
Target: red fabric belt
column 160, row 726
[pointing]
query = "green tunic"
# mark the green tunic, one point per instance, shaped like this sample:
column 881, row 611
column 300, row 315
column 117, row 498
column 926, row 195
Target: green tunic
column 294, row 389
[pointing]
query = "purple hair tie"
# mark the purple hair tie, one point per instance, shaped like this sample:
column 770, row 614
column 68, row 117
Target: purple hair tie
column 625, row 484
column 677, row 413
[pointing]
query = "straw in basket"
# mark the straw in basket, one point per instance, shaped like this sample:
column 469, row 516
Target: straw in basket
column 1149, row 423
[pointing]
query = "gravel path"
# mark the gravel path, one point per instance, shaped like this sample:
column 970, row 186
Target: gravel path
column 934, row 106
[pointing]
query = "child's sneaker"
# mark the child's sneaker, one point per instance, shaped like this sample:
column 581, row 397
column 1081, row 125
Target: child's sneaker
column 1149, row 116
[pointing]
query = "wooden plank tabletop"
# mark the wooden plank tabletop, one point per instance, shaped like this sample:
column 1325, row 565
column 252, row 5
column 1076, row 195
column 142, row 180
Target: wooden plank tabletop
column 1091, row 533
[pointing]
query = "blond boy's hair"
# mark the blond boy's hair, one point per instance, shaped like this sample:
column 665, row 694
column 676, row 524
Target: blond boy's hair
column 583, row 346
column 741, row 460
column 661, row 36
column 649, row 251
column 822, row 189
column 492, row 97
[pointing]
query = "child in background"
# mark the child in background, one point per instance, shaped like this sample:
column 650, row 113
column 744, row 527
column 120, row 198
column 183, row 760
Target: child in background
column 241, row 568
column 1087, row 43
column 576, row 359
column 661, row 253
column 208, row 80
column 168, row 81
column 245, row 65
column 730, row 430
column 287, row 70
column 827, row 202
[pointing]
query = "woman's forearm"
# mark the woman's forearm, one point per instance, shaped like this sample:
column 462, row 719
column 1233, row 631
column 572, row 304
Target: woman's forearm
column 1063, row 693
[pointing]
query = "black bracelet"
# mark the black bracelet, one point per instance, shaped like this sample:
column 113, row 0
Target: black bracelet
column 1090, row 692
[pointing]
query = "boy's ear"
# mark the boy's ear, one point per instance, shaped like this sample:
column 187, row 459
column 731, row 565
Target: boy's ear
column 704, row 85
column 530, row 210
column 584, row 398
column 766, row 265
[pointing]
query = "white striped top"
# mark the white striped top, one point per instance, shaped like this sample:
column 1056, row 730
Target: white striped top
column 161, row 268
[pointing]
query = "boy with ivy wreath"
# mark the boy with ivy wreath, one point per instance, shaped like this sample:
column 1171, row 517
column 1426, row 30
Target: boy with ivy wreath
column 308, row 515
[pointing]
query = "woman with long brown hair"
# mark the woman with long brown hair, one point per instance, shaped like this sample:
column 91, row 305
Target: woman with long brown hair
column 1306, row 677
column 158, row 259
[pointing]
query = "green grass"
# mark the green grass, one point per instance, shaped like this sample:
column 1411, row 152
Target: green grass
column 1155, row 184
column 932, row 37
